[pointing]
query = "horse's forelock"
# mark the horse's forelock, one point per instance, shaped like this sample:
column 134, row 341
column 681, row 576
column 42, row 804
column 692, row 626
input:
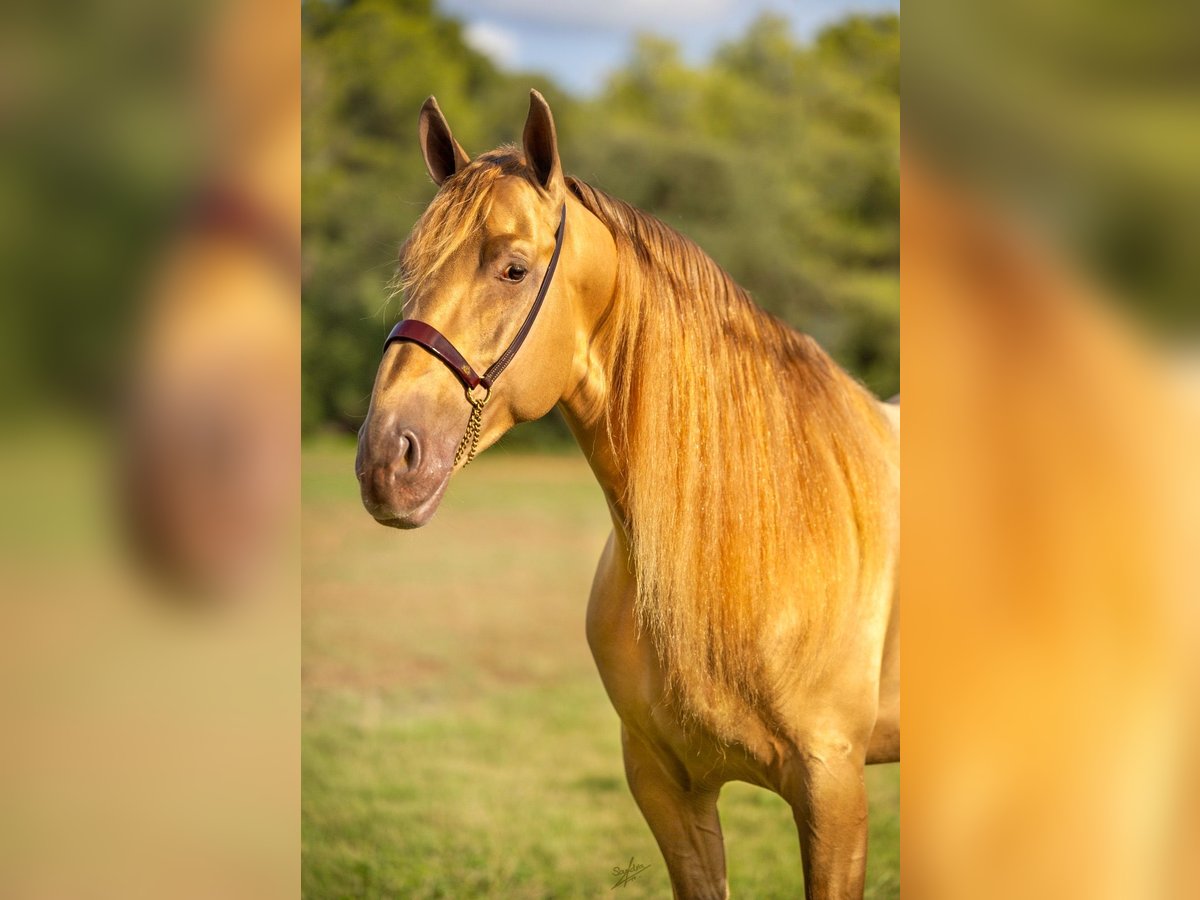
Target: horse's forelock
column 455, row 213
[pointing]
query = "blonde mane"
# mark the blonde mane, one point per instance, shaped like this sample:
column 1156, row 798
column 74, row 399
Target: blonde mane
column 758, row 471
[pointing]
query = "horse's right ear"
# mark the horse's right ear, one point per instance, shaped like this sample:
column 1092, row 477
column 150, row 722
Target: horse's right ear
column 443, row 154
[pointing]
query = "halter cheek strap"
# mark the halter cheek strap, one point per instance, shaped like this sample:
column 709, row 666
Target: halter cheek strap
column 426, row 336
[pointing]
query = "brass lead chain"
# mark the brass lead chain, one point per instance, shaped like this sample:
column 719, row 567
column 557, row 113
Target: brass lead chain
column 470, row 438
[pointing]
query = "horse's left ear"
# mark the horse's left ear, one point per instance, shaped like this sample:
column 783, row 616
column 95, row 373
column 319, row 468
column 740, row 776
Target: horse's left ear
column 541, row 142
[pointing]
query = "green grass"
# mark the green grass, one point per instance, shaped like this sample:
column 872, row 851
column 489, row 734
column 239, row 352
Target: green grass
column 457, row 741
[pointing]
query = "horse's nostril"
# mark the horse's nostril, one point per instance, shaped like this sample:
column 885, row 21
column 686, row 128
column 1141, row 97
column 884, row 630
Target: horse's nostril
column 409, row 451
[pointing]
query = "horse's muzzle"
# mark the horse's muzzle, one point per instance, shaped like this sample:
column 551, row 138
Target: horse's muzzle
column 401, row 477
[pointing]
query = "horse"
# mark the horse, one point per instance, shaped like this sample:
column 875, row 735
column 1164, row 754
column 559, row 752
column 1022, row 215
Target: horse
column 743, row 617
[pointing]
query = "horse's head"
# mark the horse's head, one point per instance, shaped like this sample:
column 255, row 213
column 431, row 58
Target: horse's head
column 472, row 269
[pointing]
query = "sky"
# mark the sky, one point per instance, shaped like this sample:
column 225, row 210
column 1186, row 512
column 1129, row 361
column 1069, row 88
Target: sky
column 578, row 43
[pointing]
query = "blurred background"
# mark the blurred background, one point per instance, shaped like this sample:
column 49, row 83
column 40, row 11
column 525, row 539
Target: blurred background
column 149, row 401
column 457, row 739
column 1051, row 513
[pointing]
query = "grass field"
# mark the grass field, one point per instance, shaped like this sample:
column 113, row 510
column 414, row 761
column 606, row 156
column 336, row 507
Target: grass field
column 457, row 741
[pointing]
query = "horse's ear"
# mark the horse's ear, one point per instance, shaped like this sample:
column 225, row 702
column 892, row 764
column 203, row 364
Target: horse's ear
column 541, row 142
column 443, row 154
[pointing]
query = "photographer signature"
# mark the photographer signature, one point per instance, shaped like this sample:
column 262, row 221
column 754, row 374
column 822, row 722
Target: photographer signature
column 626, row 875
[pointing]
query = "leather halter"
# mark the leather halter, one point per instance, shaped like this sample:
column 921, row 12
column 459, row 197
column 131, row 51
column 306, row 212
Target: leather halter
column 429, row 338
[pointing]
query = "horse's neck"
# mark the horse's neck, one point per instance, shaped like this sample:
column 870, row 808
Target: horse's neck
column 586, row 398
column 583, row 409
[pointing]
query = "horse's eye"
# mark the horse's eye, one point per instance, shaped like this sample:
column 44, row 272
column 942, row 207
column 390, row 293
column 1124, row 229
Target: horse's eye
column 515, row 273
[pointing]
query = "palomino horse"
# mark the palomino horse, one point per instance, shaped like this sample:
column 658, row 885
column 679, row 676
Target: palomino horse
column 743, row 616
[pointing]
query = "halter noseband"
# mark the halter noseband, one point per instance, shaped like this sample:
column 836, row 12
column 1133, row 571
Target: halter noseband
column 426, row 336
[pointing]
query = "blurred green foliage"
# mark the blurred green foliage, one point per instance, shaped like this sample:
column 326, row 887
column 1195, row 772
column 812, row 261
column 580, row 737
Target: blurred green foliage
column 99, row 146
column 780, row 158
column 1080, row 120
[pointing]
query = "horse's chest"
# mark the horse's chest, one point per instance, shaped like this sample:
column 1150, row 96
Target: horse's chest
column 707, row 746
column 627, row 663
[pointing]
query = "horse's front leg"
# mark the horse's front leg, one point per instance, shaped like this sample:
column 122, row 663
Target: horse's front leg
column 828, row 796
column 684, row 821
